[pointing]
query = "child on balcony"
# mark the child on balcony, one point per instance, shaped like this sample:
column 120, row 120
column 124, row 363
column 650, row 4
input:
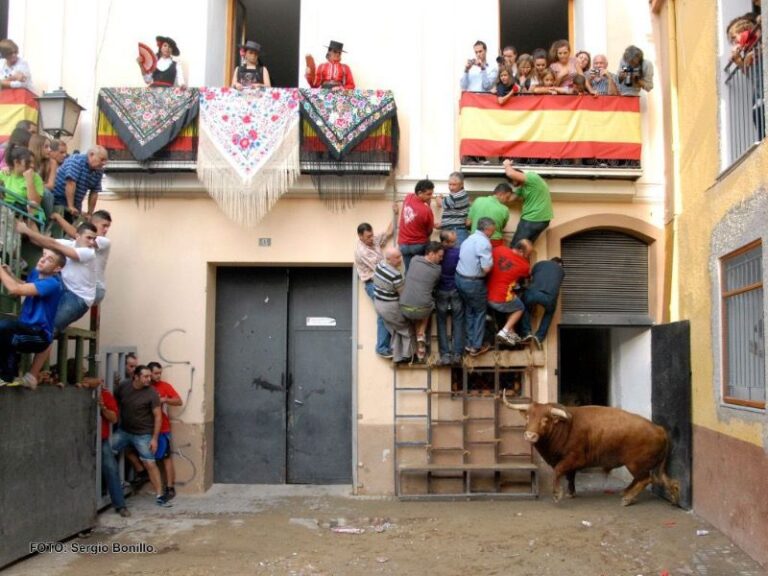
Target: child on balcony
column 507, row 86
column 252, row 73
column 547, row 85
column 22, row 183
column 525, row 73
column 563, row 64
column 332, row 74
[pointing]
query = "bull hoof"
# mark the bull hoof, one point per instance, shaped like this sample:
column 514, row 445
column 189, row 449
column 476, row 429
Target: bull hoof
column 570, row 495
column 626, row 501
column 557, row 496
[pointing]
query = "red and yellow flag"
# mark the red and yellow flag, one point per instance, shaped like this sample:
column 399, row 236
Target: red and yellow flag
column 16, row 104
column 551, row 126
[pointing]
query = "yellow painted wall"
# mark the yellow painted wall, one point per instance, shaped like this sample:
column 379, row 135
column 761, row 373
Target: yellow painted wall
column 705, row 200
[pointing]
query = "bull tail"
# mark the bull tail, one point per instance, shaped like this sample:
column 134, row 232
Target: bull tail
column 660, row 478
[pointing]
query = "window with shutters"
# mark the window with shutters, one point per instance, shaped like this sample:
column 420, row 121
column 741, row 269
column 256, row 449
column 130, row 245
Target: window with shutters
column 743, row 326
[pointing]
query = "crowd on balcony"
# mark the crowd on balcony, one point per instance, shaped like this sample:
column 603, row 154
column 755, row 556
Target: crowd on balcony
column 555, row 71
column 468, row 275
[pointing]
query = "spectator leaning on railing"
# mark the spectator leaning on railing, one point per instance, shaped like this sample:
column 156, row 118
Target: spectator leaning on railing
column 80, row 174
column 14, row 72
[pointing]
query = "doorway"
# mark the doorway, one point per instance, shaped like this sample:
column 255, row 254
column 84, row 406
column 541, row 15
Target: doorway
column 585, row 366
column 275, row 24
column 283, row 376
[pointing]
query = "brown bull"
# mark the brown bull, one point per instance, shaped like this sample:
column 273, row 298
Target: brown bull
column 571, row 439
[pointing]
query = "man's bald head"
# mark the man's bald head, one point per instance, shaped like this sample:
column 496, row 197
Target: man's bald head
column 393, row 256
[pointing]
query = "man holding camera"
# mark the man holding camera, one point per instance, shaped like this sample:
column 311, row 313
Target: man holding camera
column 602, row 81
column 479, row 75
column 635, row 73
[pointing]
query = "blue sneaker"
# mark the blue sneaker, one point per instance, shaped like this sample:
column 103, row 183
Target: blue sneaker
column 162, row 501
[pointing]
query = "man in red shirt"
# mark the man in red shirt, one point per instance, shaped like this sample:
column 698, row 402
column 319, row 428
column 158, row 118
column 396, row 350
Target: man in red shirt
column 168, row 397
column 510, row 266
column 416, row 222
column 109, row 414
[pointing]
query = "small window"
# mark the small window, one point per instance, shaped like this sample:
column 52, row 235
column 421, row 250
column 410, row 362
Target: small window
column 743, row 327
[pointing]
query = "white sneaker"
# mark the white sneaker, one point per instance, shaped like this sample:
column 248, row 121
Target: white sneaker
column 28, row 381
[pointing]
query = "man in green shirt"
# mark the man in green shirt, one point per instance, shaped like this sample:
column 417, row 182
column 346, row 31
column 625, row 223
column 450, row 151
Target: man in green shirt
column 493, row 207
column 537, row 203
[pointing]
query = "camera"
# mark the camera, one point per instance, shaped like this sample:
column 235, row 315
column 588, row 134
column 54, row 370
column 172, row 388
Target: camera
column 595, row 72
column 630, row 74
column 499, row 59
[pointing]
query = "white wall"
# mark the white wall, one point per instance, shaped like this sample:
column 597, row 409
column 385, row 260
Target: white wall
column 630, row 387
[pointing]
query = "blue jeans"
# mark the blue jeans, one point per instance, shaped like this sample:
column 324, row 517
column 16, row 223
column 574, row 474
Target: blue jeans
column 409, row 251
column 111, row 475
column 475, row 296
column 549, row 303
column 16, row 337
column 450, row 303
column 71, row 308
column 383, row 339
column 528, row 230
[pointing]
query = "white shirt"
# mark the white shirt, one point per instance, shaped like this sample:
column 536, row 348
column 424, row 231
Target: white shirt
column 79, row 276
column 103, row 246
column 20, row 66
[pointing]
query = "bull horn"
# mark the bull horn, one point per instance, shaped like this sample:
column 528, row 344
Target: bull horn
column 560, row 413
column 508, row 404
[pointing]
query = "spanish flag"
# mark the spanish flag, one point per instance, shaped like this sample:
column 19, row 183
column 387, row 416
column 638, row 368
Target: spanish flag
column 550, row 126
column 16, row 104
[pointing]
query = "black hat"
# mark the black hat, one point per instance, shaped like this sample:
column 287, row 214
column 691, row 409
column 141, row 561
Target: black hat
column 251, row 45
column 336, row 46
column 170, row 41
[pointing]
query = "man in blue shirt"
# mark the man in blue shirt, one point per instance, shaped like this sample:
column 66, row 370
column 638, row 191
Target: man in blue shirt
column 475, row 261
column 33, row 330
column 80, row 174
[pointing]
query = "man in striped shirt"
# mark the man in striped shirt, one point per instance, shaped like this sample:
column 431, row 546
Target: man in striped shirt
column 368, row 253
column 456, row 208
column 387, row 283
column 80, row 174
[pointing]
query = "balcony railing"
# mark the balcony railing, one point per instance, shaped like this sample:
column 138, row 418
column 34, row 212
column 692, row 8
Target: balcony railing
column 744, row 103
column 559, row 135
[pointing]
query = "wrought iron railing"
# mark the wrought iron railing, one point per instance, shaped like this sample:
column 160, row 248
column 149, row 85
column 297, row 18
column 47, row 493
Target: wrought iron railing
column 744, row 102
column 11, row 243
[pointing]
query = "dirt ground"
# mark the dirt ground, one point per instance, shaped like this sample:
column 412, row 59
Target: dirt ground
column 234, row 530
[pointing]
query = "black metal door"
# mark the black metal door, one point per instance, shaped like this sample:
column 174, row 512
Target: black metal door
column 283, row 376
column 320, row 391
column 671, row 399
column 249, row 383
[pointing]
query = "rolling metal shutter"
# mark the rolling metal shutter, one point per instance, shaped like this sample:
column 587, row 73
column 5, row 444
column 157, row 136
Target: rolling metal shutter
column 606, row 279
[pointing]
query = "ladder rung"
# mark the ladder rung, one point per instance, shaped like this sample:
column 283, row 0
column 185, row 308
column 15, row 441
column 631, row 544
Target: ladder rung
column 494, row 441
column 412, row 443
column 410, row 416
column 412, row 389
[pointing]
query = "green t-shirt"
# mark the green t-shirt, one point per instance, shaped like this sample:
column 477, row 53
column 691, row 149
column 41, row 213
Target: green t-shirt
column 489, row 207
column 537, row 202
column 17, row 184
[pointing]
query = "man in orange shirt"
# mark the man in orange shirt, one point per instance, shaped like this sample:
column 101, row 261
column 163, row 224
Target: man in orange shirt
column 168, row 397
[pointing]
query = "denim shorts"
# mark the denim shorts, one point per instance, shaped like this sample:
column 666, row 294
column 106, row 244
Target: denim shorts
column 508, row 307
column 122, row 439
